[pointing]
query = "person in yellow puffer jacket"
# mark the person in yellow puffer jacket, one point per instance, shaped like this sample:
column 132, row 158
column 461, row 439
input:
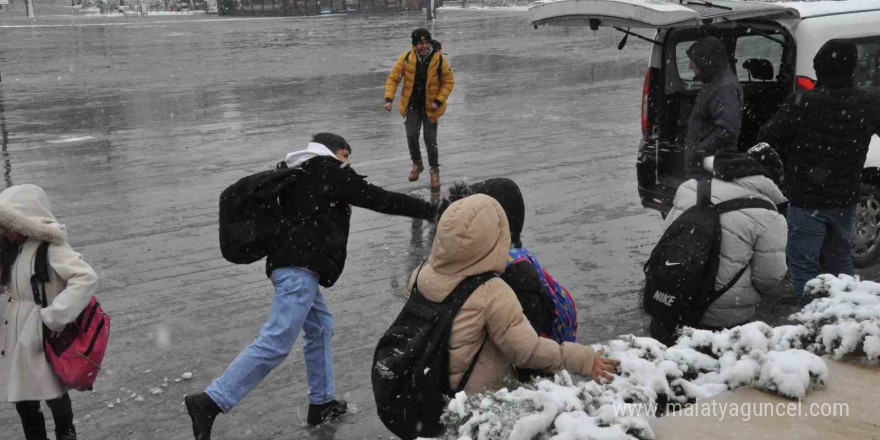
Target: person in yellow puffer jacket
column 427, row 82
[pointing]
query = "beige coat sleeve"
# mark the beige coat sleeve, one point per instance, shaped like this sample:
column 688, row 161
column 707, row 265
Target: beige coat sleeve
column 511, row 332
column 80, row 280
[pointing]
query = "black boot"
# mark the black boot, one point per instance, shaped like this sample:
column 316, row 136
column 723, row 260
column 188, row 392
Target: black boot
column 65, row 433
column 321, row 413
column 202, row 410
column 62, row 412
column 32, row 420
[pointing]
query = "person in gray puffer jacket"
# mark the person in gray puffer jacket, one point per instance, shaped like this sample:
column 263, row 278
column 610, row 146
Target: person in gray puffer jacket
column 753, row 236
column 716, row 118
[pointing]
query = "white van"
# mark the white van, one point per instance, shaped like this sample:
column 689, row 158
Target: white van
column 772, row 46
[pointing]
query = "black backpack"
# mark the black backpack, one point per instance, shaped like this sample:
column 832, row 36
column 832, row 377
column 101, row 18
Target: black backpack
column 680, row 274
column 251, row 214
column 410, row 371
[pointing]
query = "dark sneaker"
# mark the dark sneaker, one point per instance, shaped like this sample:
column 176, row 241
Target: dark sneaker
column 67, row 433
column 322, row 413
column 202, row 410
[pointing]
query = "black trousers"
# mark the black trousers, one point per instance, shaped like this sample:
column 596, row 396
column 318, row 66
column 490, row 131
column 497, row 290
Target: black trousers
column 35, row 424
column 416, row 121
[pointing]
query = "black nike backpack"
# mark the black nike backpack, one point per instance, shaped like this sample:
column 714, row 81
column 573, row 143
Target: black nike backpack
column 251, row 214
column 410, row 372
column 680, row 273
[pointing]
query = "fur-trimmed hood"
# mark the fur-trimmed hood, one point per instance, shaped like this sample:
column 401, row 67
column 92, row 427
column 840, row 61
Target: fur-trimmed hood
column 25, row 209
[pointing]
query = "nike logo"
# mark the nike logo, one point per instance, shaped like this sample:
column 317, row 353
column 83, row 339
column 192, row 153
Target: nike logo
column 671, row 264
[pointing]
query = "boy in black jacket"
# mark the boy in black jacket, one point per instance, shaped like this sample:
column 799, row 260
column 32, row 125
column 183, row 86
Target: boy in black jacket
column 823, row 136
column 318, row 212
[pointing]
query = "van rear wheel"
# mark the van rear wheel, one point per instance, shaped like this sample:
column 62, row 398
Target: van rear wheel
column 866, row 234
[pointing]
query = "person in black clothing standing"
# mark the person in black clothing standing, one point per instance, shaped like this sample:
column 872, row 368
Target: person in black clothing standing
column 427, row 83
column 823, row 136
column 318, row 209
column 716, row 117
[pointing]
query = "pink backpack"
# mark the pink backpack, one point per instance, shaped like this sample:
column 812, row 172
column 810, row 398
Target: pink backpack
column 75, row 352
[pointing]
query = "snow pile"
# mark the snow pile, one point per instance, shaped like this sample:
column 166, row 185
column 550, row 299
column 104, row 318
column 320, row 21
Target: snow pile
column 846, row 321
column 654, row 379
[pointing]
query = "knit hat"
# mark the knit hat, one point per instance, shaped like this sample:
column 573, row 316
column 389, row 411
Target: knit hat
column 769, row 159
column 420, row 34
column 835, row 63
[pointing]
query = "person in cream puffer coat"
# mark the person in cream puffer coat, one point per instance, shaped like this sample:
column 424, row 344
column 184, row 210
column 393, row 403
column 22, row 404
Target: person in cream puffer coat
column 754, row 238
column 473, row 237
column 26, row 377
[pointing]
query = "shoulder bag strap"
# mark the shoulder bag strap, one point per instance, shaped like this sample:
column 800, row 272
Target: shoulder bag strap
column 41, row 274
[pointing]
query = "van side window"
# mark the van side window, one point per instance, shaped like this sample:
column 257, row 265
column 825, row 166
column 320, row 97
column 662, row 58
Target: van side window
column 867, row 74
column 758, row 58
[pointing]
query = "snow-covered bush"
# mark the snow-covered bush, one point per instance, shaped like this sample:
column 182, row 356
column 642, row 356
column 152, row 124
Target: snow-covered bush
column 653, row 379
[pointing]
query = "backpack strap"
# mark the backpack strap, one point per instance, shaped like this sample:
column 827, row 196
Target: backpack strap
column 744, row 203
column 458, row 296
column 704, row 191
column 415, row 287
column 41, row 274
column 440, row 67
column 467, row 373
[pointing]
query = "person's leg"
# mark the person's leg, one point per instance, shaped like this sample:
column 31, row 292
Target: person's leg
column 32, row 419
column 413, row 122
column 317, row 335
column 295, row 290
column 62, row 413
column 430, row 129
column 838, row 243
column 806, row 232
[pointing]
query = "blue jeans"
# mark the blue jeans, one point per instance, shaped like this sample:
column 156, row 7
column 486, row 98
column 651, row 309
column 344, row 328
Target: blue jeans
column 813, row 232
column 298, row 304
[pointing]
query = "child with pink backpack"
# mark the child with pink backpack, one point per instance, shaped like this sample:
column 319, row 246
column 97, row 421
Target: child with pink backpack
column 40, row 308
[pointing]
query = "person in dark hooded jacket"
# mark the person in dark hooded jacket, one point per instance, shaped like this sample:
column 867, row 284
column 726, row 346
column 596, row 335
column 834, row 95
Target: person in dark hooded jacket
column 716, row 117
column 823, row 136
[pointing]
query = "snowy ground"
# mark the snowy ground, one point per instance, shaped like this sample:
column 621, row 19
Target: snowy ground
column 135, row 125
column 783, row 360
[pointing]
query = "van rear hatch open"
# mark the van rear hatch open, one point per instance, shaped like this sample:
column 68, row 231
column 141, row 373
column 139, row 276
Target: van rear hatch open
column 651, row 13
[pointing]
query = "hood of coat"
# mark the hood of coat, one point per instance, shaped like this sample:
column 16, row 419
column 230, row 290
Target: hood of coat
column 25, row 209
column 297, row 158
column 710, row 56
column 506, row 192
column 472, row 238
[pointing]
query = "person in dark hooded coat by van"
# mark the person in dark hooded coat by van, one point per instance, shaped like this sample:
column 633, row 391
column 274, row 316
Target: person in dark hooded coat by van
column 716, row 117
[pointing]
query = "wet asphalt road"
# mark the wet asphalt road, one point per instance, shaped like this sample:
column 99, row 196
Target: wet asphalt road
column 134, row 126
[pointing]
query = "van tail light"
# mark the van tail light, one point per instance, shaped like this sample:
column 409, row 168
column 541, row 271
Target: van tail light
column 646, row 129
column 804, row 83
